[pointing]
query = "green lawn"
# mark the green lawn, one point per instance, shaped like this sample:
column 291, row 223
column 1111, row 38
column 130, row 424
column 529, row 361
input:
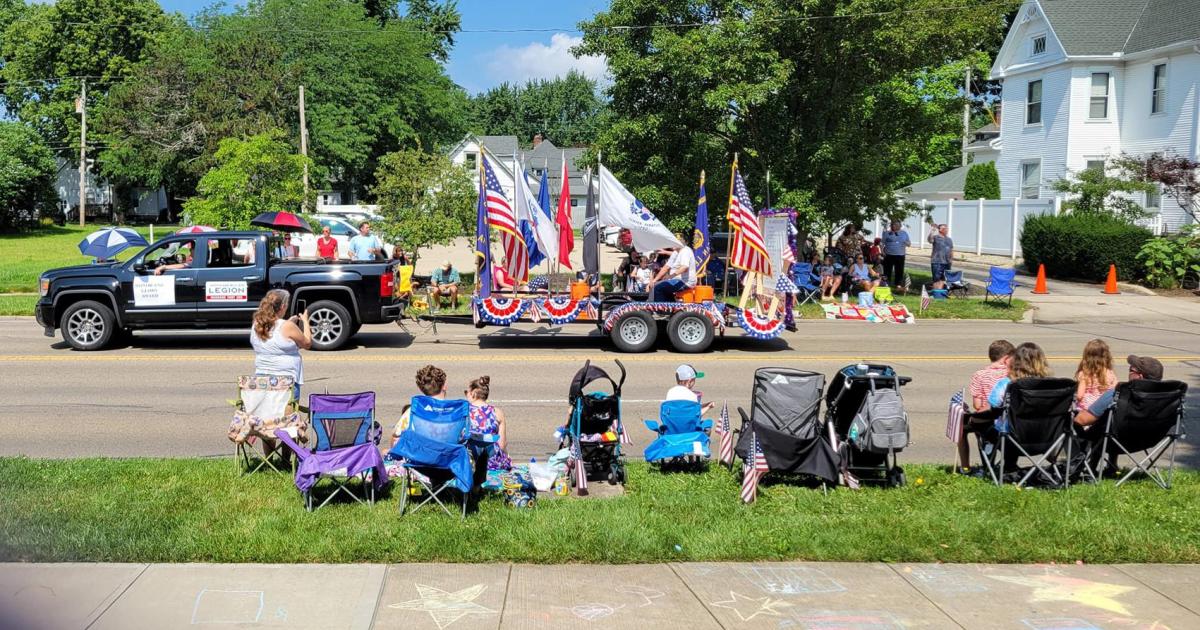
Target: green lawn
column 189, row 510
column 26, row 255
column 17, row 304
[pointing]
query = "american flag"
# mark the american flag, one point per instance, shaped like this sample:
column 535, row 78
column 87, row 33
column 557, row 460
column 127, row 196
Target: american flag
column 749, row 249
column 501, row 217
column 924, row 298
column 753, row 469
column 725, row 455
column 954, row 417
column 580, row 469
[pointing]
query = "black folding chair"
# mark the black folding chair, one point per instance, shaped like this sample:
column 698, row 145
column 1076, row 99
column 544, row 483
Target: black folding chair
column 1144, row 423
column 1035, row 425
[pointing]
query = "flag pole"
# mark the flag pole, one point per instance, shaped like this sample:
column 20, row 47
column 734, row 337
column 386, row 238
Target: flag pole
column 704, row 273
column 768, row 189
column 487, row 228
column 728, row 232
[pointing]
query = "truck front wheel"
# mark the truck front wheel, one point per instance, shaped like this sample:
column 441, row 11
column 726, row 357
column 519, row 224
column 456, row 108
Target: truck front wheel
column 636, row 331
column 331, row 325
column 88, row 325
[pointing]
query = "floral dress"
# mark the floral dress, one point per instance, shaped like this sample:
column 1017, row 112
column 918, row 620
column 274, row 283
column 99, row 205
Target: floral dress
column 484, row 421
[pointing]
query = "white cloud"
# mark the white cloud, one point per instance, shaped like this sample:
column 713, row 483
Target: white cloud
column 539, row 61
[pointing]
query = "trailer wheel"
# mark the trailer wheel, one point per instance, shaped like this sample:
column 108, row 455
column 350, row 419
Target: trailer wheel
column 636, row 331
column 690, row 332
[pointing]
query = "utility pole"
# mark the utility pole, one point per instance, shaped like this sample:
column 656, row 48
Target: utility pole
column 304, row 148
column 966, row 115
column 83, row 153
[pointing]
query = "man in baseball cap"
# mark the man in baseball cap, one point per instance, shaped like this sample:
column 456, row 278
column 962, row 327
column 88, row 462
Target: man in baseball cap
column 1139, row 367
column 685, row 380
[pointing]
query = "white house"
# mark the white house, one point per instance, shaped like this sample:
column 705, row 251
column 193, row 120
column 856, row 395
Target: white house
column 1088, row 79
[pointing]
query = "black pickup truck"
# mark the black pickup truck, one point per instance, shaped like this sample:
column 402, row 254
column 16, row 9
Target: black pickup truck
column 213, row 280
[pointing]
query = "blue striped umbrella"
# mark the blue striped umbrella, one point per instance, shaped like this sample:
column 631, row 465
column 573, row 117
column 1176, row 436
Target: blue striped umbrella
column 109, row 242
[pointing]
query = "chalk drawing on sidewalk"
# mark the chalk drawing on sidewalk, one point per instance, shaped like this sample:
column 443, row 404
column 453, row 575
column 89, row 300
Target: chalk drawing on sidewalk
column 785, row 580
column 845, row 619
column 446, row 607
column 594, row 611
column 1060, row 588
column 227, row 607
column 946, row 580
column 1059, row 623
column 747, row 608
column 647, row 594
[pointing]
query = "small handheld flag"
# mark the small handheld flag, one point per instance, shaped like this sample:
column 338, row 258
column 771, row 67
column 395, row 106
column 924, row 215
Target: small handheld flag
column 924, row 298
column 725, row 454
column 753, row 469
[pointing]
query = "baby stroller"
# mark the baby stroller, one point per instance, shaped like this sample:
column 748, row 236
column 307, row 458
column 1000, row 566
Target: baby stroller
column 594, row 431
column 785, row 422
column 866, row 421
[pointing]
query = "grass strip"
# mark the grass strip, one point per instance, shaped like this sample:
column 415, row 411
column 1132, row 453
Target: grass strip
column 198, row 510
column 17, row 304
column 27, row 254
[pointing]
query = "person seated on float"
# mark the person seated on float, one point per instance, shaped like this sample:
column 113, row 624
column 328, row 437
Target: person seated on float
column 678, row 274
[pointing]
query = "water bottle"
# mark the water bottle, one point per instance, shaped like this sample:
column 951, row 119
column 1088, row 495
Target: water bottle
column 561, row 488
column 845, row 297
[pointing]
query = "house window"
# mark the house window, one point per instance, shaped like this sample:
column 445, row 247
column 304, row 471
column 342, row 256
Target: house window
column 1031, row 179
column 574, row 203
column 1099, row 104
column 1159, row 94
column 1033, row 103
column 1039, row 45
column 470, row 162
column 1097, row 165
column 1154, row 200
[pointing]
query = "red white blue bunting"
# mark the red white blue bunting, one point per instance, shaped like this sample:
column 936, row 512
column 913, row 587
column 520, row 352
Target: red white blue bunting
column 500, row 311
column 561, row 309
column 757, row 326
column 707, row 310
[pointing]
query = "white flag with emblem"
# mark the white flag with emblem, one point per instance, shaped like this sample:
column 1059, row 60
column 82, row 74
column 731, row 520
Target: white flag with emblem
column 619, row 207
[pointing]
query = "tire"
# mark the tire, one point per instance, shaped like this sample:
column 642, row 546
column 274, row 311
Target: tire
column 88, row 325
column 331, row 324
column 635, row 332
column 690, row 332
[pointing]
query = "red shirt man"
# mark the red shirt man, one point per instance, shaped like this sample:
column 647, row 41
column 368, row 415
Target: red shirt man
column 326, row 245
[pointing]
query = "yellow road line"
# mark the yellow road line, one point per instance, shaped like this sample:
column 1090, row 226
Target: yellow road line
column 765, row 359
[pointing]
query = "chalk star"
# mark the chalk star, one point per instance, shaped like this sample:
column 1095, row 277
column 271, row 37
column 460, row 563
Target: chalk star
column 1049, row 588
column 764, row 605
column 444, row 606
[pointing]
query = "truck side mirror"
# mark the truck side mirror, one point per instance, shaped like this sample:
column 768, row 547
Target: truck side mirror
column 140, row 268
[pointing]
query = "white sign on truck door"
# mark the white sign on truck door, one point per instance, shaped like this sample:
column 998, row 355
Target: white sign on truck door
column 154, row 290
column 225, row 292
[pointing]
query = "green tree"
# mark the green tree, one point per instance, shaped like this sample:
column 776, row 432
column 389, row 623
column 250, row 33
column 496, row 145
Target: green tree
column 566, row 110
column 261, row 173
column 846, row 100
column 26, row 175
column 983, row 182
column 1096, row 191
column 425, row 199
column 51, row 44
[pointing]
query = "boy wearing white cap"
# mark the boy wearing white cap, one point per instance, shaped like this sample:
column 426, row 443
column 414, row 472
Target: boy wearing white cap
column 685, row 380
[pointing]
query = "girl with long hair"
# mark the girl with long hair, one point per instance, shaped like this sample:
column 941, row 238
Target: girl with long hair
column 488, row 422
column 1095, row 374
column 1028, row 361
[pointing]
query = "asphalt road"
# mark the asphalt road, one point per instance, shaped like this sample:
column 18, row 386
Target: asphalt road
column 165, row 394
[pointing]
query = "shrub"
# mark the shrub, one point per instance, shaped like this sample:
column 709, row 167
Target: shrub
column 983, row 182
column 1165, row 261
column 1082, row 246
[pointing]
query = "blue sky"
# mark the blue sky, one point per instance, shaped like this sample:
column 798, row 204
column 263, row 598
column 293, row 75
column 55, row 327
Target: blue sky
column 483, row 60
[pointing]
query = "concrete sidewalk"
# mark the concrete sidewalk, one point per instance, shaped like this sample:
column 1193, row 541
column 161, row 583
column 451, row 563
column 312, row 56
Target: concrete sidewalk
column 685, row 595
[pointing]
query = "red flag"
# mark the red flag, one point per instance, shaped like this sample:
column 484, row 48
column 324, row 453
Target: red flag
column 566, row 233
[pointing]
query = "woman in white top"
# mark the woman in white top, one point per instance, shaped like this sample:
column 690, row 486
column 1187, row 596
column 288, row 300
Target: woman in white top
column 277, row 341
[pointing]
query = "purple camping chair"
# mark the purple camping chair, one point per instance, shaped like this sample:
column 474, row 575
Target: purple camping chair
column 346, row 448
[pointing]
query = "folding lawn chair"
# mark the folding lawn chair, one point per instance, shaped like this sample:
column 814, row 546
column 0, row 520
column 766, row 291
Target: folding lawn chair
column 807, row 283
column 264, row 405
column 682, row 434
column 1036, row 424
column 347, row 437
column 955, row 283
column 434, row 454
column 1146, row 418
column 1001, row 283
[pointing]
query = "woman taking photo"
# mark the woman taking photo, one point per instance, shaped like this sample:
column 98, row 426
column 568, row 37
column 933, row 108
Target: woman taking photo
column 277, row 341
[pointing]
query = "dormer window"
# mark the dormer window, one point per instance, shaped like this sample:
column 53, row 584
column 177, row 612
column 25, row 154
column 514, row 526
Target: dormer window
column 1038, row 45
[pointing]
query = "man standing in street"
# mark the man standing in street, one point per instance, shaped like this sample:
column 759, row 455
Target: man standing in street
column 895, row 247
column 943, row 253
column 365, row 246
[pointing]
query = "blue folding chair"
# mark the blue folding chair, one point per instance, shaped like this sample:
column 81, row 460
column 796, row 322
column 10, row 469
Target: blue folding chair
column 682, row 434
column 955, row 283
column 1001, row 283
column 434, row 454
column 808, row 283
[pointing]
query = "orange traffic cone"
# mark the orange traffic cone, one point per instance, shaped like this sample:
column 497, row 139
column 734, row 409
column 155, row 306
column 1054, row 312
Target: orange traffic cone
column 1110, row 287
column 1039, row 288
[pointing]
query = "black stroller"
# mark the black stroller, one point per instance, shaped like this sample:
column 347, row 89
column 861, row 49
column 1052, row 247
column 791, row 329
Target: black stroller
column 785, row 417
column 595, row 427
column 867, row 422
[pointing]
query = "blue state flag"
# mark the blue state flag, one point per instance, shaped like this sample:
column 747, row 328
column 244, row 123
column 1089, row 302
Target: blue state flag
column 483, row 245
column 701, row 246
